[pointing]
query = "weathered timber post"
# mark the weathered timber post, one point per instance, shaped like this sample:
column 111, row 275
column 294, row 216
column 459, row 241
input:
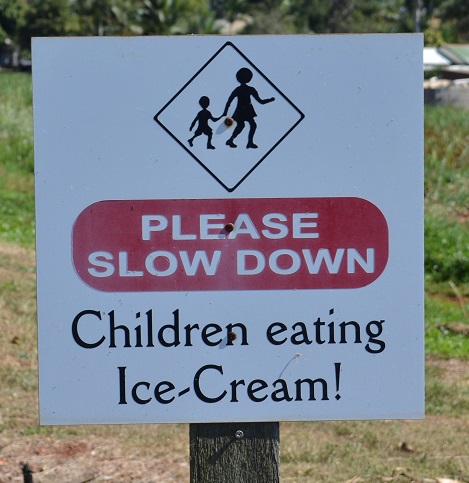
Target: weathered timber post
column 235, row 453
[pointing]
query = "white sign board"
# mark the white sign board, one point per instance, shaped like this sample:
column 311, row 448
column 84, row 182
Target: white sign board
column 229, row 229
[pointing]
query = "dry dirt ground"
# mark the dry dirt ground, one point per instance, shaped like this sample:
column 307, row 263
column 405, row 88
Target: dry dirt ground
column 91, row 459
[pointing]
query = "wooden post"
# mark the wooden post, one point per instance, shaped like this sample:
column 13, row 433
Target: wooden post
column 235, row 453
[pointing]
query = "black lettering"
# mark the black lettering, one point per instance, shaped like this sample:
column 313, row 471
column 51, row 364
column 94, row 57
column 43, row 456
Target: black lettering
column 272, row 331
column 256, row 386
column 197, row 389
column 234, row 385
column 112, row 331
column 150, row 328
column 311, row 384
column 76, row 335
column 331, row 329
column 372, row 334
column 138, row 336
column 343, row 331
column 244, row 332
column 319, row 324
column 188, row 328
column 122, row 399
column 174, row 328
column 162, row 388
column 282, row 393
column 208, row 331
column 134, row 392
column 302, row 334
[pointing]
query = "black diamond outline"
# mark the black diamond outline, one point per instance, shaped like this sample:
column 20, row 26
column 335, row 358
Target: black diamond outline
column 229, row 44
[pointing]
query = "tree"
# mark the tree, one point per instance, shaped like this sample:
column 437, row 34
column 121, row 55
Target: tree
column 175, row 17
column 12, row 20
column 455, row 14
column 106, row 17
column 341, row 16
column 46, row 18
column 361, row 16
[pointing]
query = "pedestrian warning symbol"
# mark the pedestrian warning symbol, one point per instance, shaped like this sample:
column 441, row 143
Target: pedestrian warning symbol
column 229, row 116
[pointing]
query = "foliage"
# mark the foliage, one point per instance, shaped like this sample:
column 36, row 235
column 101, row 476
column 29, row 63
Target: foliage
column 323, row 17
column 441, row 20
column 142, row 17
column 102, row 17
column 175, row 17
column 12, row 18
column 46, row 18
column 456, row 14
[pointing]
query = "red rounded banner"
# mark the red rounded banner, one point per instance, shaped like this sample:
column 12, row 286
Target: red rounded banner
column 230, row 244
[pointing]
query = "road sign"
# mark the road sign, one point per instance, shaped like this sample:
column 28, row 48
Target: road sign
column 223, row 75
column 229, row 229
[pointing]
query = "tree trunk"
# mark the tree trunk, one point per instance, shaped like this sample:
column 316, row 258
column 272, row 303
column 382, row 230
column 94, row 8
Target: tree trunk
column 235, row 453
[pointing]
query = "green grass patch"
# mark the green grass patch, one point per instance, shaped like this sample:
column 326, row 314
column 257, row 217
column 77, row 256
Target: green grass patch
column 440, row 311
column 16, row 123
column 446, row 160
column 17, row 222
column 56, row 431
column 16, row 159
column 446, row 230
column 443, row 398
column 446, row 249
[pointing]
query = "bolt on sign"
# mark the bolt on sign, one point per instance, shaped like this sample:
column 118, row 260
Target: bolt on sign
column 229, row 228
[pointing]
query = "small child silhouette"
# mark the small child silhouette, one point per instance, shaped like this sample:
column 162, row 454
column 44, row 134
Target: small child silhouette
column 203, row 116
column 244, row 111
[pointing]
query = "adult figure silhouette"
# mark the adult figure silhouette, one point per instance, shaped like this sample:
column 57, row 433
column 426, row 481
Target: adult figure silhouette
column 244, row 112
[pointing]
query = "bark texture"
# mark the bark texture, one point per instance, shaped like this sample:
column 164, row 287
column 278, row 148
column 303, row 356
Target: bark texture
column 235, row 453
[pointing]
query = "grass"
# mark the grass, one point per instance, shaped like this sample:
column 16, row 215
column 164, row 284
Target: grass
column 16, row 159
column 16, row 126
column 447, row 162
column 446, row 229
column 310, row 452
column 374, row 451
column 439, row 341
column 446, row 194
column 446, row 249
column 443, row 397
